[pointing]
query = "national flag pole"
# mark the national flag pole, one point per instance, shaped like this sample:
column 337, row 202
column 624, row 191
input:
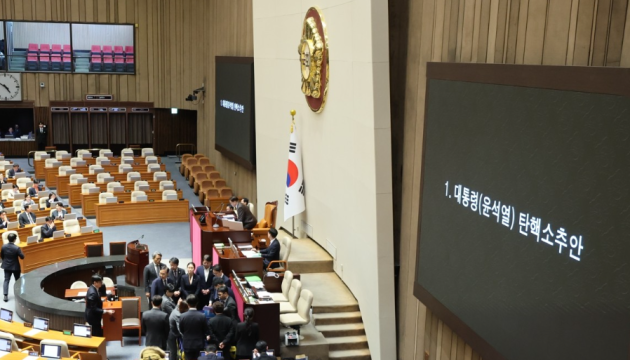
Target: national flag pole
column 294, row 200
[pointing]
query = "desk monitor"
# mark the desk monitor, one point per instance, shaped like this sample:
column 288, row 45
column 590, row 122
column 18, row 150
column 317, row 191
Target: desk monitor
column 29, row 184
column 64, row 156
column 19, row 196
column 111, row 200
column 160, row 177
column 32, row 239
column 40, row 323
column 127, row 161
column 12, row 224
column 7, row 186
column 58, row 234
column 43, row 194
column 118, row 189
column 70, row 217
column 151, row 161
column 51, row 351
column 8, row 136
column 141, row 198
column 171, row 196
column 20, row 175
column 5, row 345
column 80, row 163
column 71, row 172
column 105, row 162
column 86, row 156
column 82, row 330
column 108, row 179
column 94, row 190
column 6, row 315
column 233, row 225
column 134, row 178
column 81, row 181
column 44, row 156
column 125, row 170
column 107, row 154
column 97, row 170
column 167, row 355
column 168, row 186
column 143, row 188
column 86, row 230
column 270, row 352
column 40, row 220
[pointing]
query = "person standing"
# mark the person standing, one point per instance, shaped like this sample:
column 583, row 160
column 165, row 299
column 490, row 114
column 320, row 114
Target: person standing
column 174, row 334
column 175, row 274
column 189, row 282
column 168, row 304
column 151, row 272
column 204, row 273
column 158, row 286
column 194, row 329
column 10, row 263
column 155, row 324
column 221, row 327
column 94, row 306
column 42, row 135
column 229, row 304
column 246, row 335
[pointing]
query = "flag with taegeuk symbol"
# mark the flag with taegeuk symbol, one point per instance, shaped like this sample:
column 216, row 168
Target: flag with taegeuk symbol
column 294, row 195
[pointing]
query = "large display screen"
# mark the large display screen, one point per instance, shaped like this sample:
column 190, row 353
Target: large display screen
column 234, row 125
column 525, row 218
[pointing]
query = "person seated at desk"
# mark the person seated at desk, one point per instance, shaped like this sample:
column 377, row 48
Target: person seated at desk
column 59, row 213
column 27, row 217
column 4, row 221
column 34, row 190
column 16, row 190
column 48, row 228
column 27, row 201
column 211, row 353
column 16, row 169
column 222, row 328
column 3, row 180
column 272, row 252
column 190, row 282
column 52, row 198
column 10, row 132
column 243, row 213
column 158, row 286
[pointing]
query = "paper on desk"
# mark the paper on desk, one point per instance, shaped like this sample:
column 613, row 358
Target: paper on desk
column 244, row 247
column 250, row 253
column 261, row 301
column 82, row 293
column 108, row 292
column 32, row 332
column 257, row 284
column 262, row 294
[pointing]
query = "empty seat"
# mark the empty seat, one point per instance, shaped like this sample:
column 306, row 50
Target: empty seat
column 286, row 285
column 190, row 162
column 102, row 152
column 67, row 63
column 123, row 168
column 42, row 203
column 107, row 281
column 182, row 166
column 103, row 196
column 126, row 152
column 159, row 174
column 119, row 64
column 85, row 188
column 5, row 235
column 63, row 169
column 204, row 161
column 78, row 285
column 74, row 178
column 128, row 50
column 95, row 63
column 44, row 49
column 71, row 226
column 107, row 50
column 17, row 205
column 198, row 179
column 96, row 50
column 33, row 49
column 22, row 183
column 118, row 50
column 108, row 63
column 132, row 174
column 168, row 192
column 66, row 49
column 11, row 338
column 100, row 178
column 112, row 185
column 44, row 62
column 59, row 153
column 214, row 175
column 204, row 186
column 100, row 159
column 302, row 315
column 55, row 62
column 207, row 168
column 226, row 192
column 74, row 161
column 56, row 49
column 38, row 154
column 149, row 158
column 32, row 63
column 191, row 174
column 130, row 64
column 165, row 182
column 212, row 194
column 82, row 152
column 153, row 168
column 147, row 152
column 94, row 169
column 136, row 194
column 137, row 184
column 290, row 306
column 220, row 183
column 65, row 353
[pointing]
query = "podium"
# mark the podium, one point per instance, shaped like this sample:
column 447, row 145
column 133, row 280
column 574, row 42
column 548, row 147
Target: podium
column 137, row 258
column 112, row 323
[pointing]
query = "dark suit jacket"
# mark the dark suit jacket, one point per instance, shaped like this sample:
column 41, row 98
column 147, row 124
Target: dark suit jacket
column 230, row 309
column 211, row 357
column 194, row 329
column 155, row 325
column 55, row 213
column 12, row 172
column 47, row 231
column 222, row 330
column 9, row 254
column 32, row 192
column 246, row 340
column 93, row 306
column 271, row 253
column 157, row 287
column 41, row 136
column 149, row 275
column 214, row 295
column 23, row 219
column 3, row 181
column 187, row 288
column 48, row 204
column 246, row 217
column 167, row 305
column 3, row 225
column 176, row 277
column 202, row 278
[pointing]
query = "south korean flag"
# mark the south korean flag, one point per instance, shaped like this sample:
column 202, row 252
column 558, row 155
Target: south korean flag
column 294, row 195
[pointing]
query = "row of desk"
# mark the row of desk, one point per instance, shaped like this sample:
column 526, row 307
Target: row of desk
column 40, row 165
column 145, row 212
column 74, row 190
column 89, row 201
column 62, row 181
column 52, row 251
column 50, row 173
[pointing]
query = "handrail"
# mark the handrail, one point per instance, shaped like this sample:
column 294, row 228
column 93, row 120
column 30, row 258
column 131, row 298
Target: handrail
column 32, row 152
column 178, row 153
column 76, row 153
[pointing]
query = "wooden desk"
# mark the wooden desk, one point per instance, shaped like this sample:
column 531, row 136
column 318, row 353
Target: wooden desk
column 144, row 212
column 49, row 173
column 63, row 181
column 82, row 344
column 20, row 356
column 52, row 251
column 27, row 230
column 237, row 262
column 17, row 148
column 203, row 237
column 40, row 165
column 89, row 200
column 80, row 293
column 266, row 315
column 38, row 213
column 74, row 190
column 135, row 261
column 112, row 324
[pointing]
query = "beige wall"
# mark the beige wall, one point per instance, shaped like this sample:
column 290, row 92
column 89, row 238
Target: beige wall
column 346, row 149
column 176, row 42
column 563, row 32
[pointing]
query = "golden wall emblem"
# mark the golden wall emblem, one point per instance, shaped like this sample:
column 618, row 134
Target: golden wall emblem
column 313, row 50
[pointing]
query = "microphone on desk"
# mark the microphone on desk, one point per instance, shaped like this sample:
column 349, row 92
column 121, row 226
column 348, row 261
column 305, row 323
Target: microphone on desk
column 207, row 209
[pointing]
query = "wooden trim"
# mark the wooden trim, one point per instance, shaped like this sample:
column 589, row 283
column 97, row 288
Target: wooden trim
column 234, row 59
column 234, row 157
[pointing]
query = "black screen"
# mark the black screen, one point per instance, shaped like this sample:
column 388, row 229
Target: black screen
column 234, row 125
column 558, row 157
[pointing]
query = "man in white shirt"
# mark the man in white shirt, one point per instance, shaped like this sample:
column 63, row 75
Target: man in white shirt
column 204, row 272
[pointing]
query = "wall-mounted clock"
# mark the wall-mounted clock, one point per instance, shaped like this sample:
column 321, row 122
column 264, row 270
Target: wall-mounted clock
column 10, row 87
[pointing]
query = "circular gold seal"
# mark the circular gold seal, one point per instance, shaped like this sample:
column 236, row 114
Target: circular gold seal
column 313, row 50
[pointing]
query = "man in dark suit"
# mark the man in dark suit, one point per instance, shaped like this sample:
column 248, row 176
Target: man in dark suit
column 158, row 286
column 94, row 306
column 41, row 136
column 272, row 252
column 260, row 352
column 222, row 328
column 217, row 283
column 175, row 274
column 59, row 213
column 151, row 272
column 194, row 329
column 4, row 220
column 211, row 353
column 243, row 214
column 155, row 324
column 48, row 228
column 27, row 217
column 16, row 169
column 34, row 190
column 204, row 273
column 217, row 271
column 229, row 304
column 167, row 300
column 17, row 131
column 10, row 263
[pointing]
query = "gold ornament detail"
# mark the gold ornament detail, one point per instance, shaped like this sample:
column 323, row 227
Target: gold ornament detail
column 311, row 50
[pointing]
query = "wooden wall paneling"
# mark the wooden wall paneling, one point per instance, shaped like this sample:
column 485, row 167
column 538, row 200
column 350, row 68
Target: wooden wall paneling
column 615, row 35
column 557, row 32
column 625, row 51
column 476, row 31
column 572, row 32
column 600, row 33
column 511, row 30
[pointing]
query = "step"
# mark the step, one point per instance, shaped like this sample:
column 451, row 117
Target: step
column 341, row 330
column 335, row 309
column 363, row 354
column 337, row 318
column 347, row 343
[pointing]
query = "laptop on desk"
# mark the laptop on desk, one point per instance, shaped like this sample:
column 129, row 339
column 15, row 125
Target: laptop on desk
column 40, row 220
column 111, row 200
column 70, row 217
column 233, row 225
column 19, row 196
column 58, row 234
column 32, row 239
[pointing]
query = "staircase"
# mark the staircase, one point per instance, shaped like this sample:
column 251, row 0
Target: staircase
column 343, row 329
